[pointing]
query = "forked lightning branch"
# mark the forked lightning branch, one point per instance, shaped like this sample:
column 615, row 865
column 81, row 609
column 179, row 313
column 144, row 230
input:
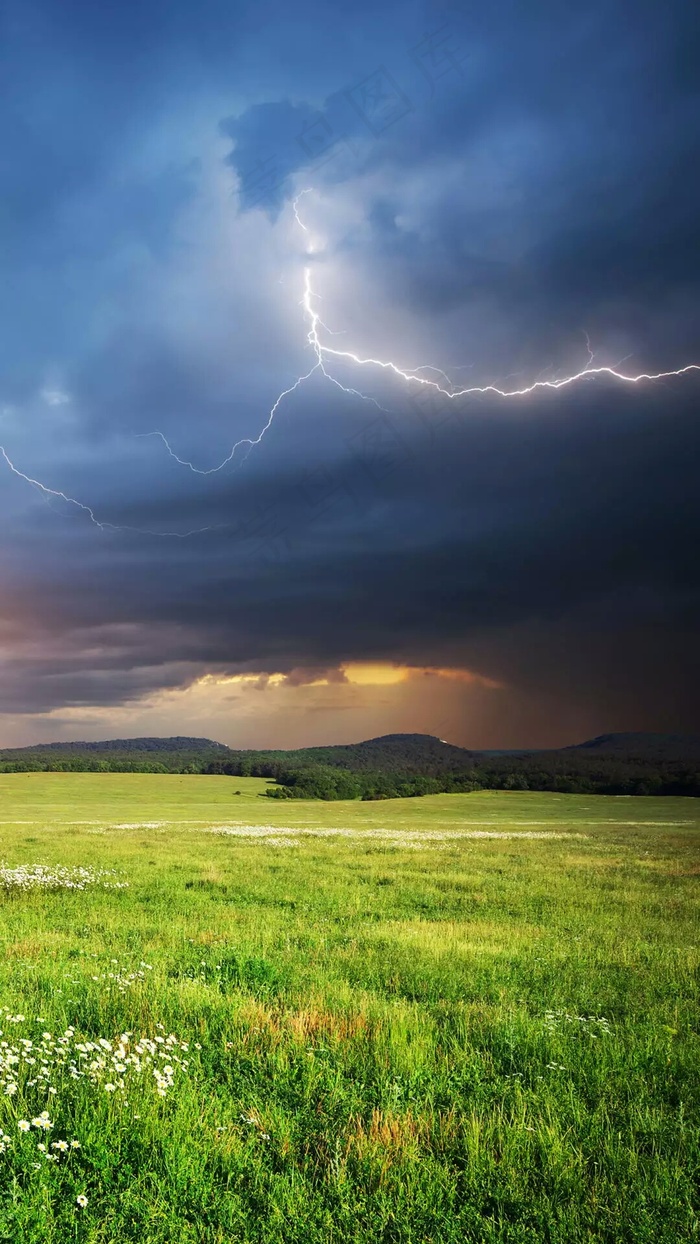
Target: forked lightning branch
column 325, row 356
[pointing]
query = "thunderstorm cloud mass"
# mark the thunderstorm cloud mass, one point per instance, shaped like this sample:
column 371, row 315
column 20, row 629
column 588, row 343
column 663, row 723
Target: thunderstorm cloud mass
column 223, row 513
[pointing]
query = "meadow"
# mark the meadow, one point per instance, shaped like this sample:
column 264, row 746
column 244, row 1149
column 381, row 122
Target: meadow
column 462, row 1018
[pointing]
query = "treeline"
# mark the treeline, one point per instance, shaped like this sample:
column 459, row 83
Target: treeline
column 315, row 781
column 327, row 782
column 179, row 754
column 176, row 743
column 537, row 772
column 397, row 766
column 114, row 762
column 614, row 777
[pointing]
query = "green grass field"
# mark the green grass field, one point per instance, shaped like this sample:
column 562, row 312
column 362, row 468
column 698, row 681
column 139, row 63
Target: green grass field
column 453, row 1019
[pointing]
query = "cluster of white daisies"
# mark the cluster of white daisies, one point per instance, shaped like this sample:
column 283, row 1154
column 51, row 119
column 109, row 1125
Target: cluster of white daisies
column 44, row 1061
column 28, row 877
column 48, row 1067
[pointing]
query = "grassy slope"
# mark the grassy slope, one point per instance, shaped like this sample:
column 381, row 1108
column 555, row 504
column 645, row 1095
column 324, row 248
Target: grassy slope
column 378, row 1009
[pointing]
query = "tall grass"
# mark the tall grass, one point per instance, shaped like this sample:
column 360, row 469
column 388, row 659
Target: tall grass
column 408, row 1038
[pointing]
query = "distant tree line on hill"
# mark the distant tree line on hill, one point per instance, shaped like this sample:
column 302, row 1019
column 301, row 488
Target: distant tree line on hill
column 543, row 772
column 396, row 766
column 145, row 761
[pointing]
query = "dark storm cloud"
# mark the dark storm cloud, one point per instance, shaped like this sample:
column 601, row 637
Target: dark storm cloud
column 576, row 132
column 538, row 183
column 607, row 552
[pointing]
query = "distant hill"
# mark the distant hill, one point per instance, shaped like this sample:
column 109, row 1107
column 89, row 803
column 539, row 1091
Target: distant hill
column 179, row 754
column 177, row 743
column 395, row 764
column 418, row 764
column 681, row 746
column 397, row 753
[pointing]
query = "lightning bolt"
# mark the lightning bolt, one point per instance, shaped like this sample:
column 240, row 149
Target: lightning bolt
column 315, row 323
column 412, row 376
column 49, row 493
column 324, row 356
column 251, row 443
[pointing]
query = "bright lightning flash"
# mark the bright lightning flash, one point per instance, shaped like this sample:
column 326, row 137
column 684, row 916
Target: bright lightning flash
column 324, row 355
column 413, row 375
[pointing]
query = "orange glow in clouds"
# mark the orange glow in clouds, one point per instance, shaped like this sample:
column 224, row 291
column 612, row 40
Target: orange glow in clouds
column 355, row 673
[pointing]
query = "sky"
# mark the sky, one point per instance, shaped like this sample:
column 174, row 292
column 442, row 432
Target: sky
column 199, row 205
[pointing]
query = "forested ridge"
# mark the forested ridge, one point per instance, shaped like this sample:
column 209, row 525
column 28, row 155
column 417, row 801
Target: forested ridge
column 393, row 766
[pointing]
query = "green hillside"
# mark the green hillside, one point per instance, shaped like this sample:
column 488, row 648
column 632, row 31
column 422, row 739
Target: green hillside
column 394, row 765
